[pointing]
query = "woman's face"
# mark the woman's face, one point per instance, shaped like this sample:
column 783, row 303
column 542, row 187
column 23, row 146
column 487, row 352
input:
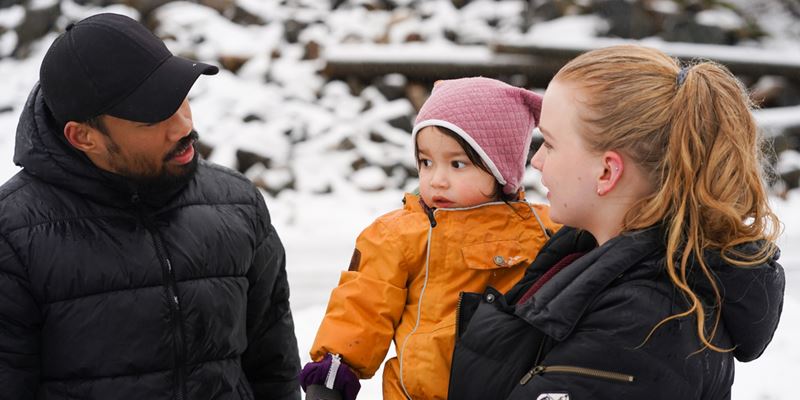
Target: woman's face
column 569, row 170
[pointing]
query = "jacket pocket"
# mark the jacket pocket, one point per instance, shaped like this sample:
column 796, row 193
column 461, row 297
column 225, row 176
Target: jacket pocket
column 581, row 371
column 494, row 255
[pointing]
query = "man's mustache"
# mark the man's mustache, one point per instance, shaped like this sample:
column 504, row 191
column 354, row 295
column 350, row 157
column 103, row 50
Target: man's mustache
column 185, row 142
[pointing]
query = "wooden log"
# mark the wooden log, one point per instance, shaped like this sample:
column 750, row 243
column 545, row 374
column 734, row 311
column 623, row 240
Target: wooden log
column 740, row 60
column 423, row 62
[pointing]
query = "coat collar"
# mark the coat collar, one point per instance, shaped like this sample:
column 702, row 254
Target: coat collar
column 558, row 306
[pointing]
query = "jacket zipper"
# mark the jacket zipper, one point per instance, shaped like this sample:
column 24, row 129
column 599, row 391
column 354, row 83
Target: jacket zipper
column 594, row 373
column 174, row 302
column 458, row 315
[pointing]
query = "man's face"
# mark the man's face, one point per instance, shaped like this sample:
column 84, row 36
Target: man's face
column 150, row 153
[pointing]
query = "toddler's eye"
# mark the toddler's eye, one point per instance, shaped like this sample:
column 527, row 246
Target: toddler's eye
column 424, row 162
column 458, row 164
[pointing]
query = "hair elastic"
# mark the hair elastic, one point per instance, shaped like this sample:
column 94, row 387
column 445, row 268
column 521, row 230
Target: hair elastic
column 682, row 76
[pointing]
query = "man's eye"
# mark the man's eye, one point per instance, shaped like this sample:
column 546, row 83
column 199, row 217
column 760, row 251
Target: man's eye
column 458, row 164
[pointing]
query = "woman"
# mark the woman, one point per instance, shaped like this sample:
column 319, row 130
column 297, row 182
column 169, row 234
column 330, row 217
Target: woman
column 660, row 166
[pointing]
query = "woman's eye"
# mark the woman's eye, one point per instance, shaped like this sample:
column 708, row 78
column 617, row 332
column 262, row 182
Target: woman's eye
column 547, row 145
column 458, row 164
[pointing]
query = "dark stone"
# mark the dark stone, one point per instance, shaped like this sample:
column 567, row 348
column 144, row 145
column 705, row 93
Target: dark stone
column 390, row 88
column 232, row 63
column 312, row 50
column 203, row 149
column 543, row 11
column 145, row 7
column 36, row 24
column 359, row 163
column 402, row 122
column 791, row 179
column 451, row 35
column 243, row 17
column 252, row 117
column 626, row 19
column 684, row 28
column 345, row 144
column 376, row 137
column 292, row 29
column 222, row 6
column 246, row 159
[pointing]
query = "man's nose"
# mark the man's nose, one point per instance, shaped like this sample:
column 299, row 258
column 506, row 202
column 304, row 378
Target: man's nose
column 180, row 123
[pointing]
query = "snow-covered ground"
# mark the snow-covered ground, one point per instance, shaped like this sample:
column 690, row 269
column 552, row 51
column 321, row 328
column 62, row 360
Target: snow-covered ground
column 319, row 219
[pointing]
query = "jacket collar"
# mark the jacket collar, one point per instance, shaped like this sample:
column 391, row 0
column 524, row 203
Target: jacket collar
column 558, row 306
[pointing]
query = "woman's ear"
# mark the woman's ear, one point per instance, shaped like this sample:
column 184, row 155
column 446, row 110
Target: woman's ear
column 82, row 136
column 613, row 166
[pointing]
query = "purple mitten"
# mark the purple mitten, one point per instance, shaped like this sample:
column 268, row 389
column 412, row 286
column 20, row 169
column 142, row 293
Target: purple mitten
column 332, row 373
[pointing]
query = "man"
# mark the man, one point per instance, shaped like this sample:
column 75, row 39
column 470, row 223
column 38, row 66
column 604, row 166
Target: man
column 129, row 269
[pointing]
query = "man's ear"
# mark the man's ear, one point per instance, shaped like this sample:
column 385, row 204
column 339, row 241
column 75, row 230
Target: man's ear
column 613, row 166
column 82, row 137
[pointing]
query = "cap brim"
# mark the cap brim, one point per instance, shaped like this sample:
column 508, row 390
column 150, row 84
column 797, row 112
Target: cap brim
column 160, row 95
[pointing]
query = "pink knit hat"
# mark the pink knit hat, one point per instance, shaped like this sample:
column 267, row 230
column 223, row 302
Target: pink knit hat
column 495, row 118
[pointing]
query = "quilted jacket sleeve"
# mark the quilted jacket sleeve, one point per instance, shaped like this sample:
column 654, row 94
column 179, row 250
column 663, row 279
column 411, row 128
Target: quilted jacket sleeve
column 20, row 323
column 271, row 360
column 365, row 308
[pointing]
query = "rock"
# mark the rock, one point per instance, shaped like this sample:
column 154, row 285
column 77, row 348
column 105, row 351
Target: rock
column 312, row 50
column 627, row 19
column 684, row 28
column 417, row 94
column 232, row 63
column 223, row 6
column 391, row 86
column 246, row 159
column 145, row 7
column 544, row 10
column 292, row 29
column 775, row 91
column 203, row 149
column 403, row 123
column 37, row 23
column 243, row 17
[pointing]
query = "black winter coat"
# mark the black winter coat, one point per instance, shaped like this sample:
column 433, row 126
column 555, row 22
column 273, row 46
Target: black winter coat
column 584, row 334
column 110, row 292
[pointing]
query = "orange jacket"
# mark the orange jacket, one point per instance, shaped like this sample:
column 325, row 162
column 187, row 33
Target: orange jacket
column 404, row 281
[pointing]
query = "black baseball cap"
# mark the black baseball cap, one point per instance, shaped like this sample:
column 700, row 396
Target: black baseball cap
column 111, row 64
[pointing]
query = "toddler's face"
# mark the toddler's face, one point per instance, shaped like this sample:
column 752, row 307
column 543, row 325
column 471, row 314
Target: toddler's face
column 447, row 178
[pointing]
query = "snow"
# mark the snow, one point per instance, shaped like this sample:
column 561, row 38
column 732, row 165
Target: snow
column 315, row 134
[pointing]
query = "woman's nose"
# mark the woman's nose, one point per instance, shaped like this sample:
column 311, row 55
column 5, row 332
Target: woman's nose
column 538, row 159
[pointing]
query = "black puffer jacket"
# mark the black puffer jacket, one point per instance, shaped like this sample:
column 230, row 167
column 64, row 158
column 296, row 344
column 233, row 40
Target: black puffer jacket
column 110, row 292
column 583, row 334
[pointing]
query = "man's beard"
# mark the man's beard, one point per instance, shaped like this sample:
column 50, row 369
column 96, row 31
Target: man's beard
column 163, row 180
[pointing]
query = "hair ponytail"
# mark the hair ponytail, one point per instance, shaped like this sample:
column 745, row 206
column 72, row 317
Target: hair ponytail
column 693, row 132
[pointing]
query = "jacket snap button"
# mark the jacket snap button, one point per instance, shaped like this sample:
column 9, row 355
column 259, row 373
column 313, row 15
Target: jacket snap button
column 499, row 260
column 489, row 298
